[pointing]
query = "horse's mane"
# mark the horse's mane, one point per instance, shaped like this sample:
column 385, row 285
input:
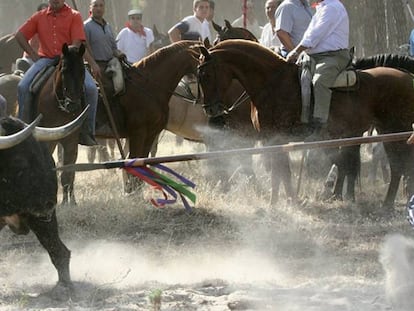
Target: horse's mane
column 251, row 49
column 164, row 53
column 385, row 60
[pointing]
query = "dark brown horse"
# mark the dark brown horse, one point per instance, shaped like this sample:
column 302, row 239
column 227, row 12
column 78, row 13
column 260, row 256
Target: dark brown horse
column 385, row 97
column 228, row 32
column 64, row 89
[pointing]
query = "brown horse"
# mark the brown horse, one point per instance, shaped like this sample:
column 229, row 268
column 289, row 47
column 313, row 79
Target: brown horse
column 10, row 50
column 384, row 97
column 64, row 88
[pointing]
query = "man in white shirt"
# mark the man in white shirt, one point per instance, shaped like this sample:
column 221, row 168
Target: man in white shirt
column 326, row 41
column 251, row 21
column 192, row 27
column 269, row 37
column 135, row 40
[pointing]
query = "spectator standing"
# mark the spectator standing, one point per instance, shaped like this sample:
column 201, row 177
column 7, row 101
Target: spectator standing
column 192, row 27
column 326, row 41
column 292, row 18
column 208, row 22
column 135, row 40
column 269, row 37
column 249, row 16
column 101, row 40
column 55, row 26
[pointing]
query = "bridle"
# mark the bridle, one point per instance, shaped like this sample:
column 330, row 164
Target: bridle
column 221, row 108
column 65, row 102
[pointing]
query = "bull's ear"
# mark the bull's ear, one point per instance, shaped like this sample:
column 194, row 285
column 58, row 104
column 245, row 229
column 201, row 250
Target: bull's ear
column 82, row 49
column 65, row 49
column 228, row 24
column 205, row 52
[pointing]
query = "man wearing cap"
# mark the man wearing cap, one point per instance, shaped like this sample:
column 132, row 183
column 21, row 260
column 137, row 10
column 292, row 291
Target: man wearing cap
column 193, row 27
column 135, row 40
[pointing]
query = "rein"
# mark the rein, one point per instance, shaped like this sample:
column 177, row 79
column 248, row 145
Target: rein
column 239, row 101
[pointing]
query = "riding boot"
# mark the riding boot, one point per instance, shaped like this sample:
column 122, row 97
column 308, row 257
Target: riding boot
column 86, row 136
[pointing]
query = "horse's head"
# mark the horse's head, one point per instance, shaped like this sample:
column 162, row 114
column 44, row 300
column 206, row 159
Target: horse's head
column 214, row 81
column 229, row 32
column 71, row 76
column 160, row 39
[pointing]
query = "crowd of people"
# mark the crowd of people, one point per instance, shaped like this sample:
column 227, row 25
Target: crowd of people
column 293, row 28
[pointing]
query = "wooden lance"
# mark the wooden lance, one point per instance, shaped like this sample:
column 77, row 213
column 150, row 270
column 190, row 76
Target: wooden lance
column 334, row 143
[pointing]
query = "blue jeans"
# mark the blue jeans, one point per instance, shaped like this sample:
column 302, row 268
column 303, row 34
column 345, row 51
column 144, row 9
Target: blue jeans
column 24, row 96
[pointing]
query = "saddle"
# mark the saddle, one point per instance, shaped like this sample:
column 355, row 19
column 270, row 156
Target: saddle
column 35, row 86
column 115, row 71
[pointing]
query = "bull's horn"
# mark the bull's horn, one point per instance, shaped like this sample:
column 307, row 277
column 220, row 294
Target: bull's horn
column 56, row 133
column 16, row 138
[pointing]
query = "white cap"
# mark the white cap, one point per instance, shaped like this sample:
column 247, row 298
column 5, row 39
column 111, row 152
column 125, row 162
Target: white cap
column 135, row 12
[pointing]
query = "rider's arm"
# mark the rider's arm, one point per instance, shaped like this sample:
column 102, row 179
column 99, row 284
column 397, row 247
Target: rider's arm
column 96, row 71
column 24, row 43
column 284, row 37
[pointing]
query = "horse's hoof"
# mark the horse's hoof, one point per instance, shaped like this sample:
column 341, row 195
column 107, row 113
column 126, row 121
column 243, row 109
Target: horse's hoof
column 61, row 291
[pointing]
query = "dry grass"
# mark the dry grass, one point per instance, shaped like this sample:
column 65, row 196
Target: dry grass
column 124, row 249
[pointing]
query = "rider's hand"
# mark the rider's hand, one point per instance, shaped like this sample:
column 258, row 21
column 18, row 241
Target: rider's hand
column 292, row 56
column 96, row 70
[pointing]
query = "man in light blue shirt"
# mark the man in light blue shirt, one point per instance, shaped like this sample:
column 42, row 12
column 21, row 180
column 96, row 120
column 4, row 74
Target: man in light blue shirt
column 292, row 18
column 326, row 41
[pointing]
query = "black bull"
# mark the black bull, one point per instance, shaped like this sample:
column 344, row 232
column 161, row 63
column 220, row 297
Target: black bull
column 28, row 194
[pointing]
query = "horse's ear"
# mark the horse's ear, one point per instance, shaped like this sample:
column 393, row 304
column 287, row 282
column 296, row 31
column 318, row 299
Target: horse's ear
column 155, row 31
column 216, row 27
column 82, row 49
column 228, row 24
column 207, row 43
column 65, row 48
column 205, row 52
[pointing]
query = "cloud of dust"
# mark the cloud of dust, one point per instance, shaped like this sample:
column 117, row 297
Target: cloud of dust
column 397, row 259
column 124, row 265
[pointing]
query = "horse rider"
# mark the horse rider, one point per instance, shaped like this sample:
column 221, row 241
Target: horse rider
column 101, row 42
column 56, row 25
column 292, row 18
column 326, row 41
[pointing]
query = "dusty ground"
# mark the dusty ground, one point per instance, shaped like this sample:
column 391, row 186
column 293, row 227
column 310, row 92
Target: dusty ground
column 234, row 252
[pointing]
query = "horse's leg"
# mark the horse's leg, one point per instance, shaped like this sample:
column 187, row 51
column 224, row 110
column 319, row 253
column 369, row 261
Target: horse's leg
column 103, row 154
column 91, row 154
column 281, row 172
column 396, row 159
column 111, row 147
column 46, row 230
column 154, row 146
column 67, row 178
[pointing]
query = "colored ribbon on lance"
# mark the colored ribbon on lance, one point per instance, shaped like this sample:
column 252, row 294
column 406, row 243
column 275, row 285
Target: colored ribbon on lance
column 169, row 187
